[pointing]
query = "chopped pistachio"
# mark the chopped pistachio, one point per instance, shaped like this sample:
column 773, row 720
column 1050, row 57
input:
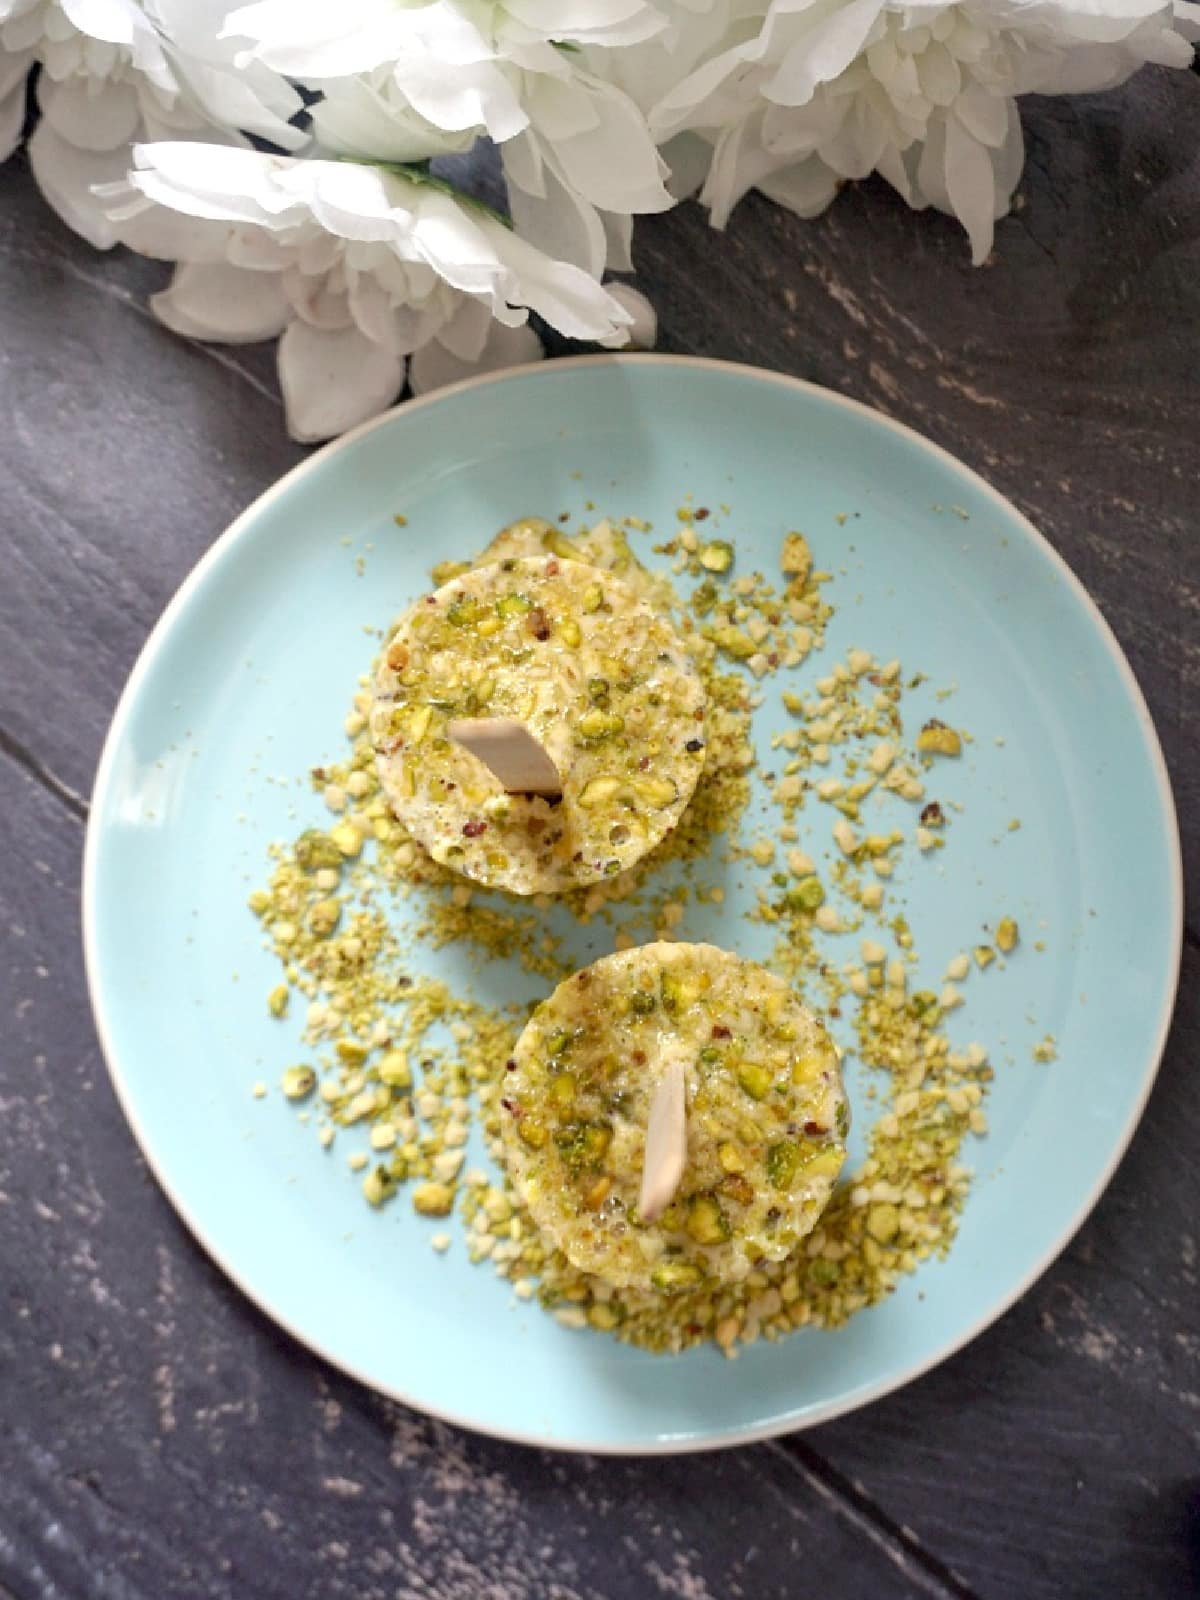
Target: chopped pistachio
column 315, row 849
column 807, row 895
column 656, row 791
column 533, row 1131
column 298, row 1083
column 883, row 1223
column 936, row 739
column 755, row 1079
column 734, row 642
column 599, row 790
column 596, row 725
column 324, row 917
column 379, row 1185
column 716, row 556
column 433, row 1199
column 795, row 560
column 674, row 1276
column 394, row 1070
column 706, row 1222
column 783, row 1159
column 845, row 837
column 347, row 838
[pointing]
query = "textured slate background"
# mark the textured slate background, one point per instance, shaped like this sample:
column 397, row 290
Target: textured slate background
column 160, row 1439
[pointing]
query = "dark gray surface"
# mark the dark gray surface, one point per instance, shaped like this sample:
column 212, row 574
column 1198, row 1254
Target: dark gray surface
column 159, row 1438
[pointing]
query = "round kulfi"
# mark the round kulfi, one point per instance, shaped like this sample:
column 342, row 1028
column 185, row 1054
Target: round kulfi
column 766, row 1116
column 601, row 681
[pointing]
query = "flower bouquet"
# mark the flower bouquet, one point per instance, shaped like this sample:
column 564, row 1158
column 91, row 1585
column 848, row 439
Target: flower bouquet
column 391, row 188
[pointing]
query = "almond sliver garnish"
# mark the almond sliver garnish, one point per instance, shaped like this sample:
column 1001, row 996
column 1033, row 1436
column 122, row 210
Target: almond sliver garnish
column 666, row 1142
column 505, row 746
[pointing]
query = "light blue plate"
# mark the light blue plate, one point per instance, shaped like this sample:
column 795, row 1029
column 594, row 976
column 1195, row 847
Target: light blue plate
column 244, row 685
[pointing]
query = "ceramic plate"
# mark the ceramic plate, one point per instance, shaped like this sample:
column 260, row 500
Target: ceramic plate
column 244, row 685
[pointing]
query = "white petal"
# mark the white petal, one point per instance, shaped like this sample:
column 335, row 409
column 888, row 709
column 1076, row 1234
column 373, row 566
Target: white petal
column 524, row 164
column 689, row 158
column 219, row 182
column 89, row 114
column 739, row 163
column 807, row 188
column 941, row 77
column 371, row 309
column 690, row 104
column 1009, row 160
column 895, row 165
column 856, row 147
column 610, row 158
column 66, row 176
column 333, row 381
column 414, row 326
column 433, row 366
column 558, row 219
column 608, row 22
column 465, row 332
column 251, row 97
column 930, row 176
column 314, row 39
column 618, row 241
column 23, row 30
column 478, row 95
column 170, row 236
column 822, row 52
column 568, row 298
column 971, row 187
column 983, row 113
column 14, row 69
column 356, row 119
column 12, row 120
column 223, row 303
column 111, row 20
column 252, row 100
column 316, row 301
column 643, row 330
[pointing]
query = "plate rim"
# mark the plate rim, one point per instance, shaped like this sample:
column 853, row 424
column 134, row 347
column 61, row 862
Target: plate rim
column 115, row 735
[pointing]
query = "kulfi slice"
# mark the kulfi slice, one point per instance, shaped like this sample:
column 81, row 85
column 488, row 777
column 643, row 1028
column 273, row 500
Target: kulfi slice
column 766, row 1116
column 600, row 680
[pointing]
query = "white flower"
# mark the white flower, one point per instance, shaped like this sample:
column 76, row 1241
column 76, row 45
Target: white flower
column 696, row 31
column 359, row 269
column 578, row 155
column 111, row 74
column 925, row 94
